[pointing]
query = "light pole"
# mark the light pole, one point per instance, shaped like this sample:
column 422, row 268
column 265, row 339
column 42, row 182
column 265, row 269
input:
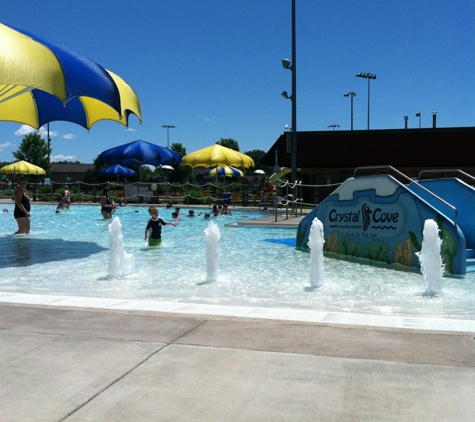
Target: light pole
column 418, row 114
column 333, row 126
column 368, row 76
column 293, row 68
column 168, row 127
column 351, row 94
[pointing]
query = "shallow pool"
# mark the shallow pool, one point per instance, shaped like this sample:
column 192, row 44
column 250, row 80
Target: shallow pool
column 68, row 254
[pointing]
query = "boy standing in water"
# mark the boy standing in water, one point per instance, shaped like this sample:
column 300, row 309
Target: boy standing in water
column 154, row 227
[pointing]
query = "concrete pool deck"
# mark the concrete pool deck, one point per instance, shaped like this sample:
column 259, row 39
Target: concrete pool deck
column 65, row 358
column 82, row 364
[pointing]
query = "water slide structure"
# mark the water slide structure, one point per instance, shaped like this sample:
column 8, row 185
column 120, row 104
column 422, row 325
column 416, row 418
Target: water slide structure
column 379, row 219
column 284, row 171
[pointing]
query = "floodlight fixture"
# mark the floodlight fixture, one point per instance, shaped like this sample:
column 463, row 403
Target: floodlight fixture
column 368, row 76
column 168, row 127
column 351, row 94
column 285, row 94
column 286, row 64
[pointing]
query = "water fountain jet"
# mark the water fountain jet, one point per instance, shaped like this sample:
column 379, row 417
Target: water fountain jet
column 212, row 251
column 121, row 263
column 432, row 267
column 315, row 243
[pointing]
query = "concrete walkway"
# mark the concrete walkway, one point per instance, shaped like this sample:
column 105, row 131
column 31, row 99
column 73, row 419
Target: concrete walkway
column 65, row 364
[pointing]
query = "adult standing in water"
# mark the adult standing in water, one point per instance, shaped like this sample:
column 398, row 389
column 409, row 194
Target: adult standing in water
column 66, row 197
column 22, row 208
column 108, row 205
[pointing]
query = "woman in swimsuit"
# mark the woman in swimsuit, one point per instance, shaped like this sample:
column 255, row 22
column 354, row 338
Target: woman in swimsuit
column 108, row 205
column 22, row 208
column 66, row 197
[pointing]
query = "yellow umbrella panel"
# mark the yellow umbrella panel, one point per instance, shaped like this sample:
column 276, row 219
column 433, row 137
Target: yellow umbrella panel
column 22, row 167
column 36, row 108
column 217, row 155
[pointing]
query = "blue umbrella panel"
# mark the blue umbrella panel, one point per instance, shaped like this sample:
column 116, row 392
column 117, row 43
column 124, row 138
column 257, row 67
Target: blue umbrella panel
column 139, row 152
column 118, row 170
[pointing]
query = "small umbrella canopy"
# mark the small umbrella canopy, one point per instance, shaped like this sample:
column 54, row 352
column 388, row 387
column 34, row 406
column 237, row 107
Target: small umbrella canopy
column 166, row 167
column 28, row 61
column 148, row 167
column 22, row 167
column 226, row 171
column 259, row 172
column 139, row 152
column 216, row 155
column 118, row 170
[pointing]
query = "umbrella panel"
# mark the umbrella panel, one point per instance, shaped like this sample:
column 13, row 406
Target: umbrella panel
column 29, row 61
column 118, row 170
column 217, row 155
column 226, row 171
column 22, row 167
column 139, row 152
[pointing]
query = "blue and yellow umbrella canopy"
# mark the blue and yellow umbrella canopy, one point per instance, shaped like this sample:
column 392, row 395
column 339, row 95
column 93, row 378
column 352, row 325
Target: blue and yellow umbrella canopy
column 41, row 81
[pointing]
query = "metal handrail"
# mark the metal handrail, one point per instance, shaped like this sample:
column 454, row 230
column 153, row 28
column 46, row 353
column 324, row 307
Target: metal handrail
column 445, row 171
column 404, row 176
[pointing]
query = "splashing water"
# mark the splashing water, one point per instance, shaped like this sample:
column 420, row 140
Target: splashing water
column 315, row 243
column 212, row 252
column 432, row 267
column 121, row 263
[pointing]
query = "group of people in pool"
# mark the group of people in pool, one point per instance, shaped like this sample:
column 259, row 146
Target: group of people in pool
column 153, row 230
column 108, row 206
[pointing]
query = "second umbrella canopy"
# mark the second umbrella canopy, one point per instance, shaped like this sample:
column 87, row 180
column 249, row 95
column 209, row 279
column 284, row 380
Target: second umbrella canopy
column 216, row 155
column 139, row 152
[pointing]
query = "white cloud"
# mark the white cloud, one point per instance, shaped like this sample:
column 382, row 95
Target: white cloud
column 130, row 129
column 25, row 130
column 206, row 119
column 55, row 158
column 5, row 145
column 44, row 133
column 69, row 136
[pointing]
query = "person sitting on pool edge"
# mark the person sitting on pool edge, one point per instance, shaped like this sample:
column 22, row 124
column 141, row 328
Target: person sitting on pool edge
column 153, row 231
column 108, row 205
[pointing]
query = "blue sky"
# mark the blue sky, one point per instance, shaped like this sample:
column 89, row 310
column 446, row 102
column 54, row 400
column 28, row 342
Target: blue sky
column 213, row 68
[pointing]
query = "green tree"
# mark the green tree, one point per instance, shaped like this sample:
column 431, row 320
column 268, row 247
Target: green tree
column 181, row 173
column 92, row 175
column 229, row 143
column 35, row 150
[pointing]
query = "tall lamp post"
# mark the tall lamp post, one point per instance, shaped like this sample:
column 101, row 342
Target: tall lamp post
column 292, row 66
column 368, row 76
column 168, row 127
column 351, row 94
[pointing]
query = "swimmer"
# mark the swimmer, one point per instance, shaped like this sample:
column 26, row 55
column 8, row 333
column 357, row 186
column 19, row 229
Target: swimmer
column 153, row 231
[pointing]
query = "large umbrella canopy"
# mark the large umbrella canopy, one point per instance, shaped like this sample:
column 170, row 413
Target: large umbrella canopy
column 217, row 155
column 35, row 108
column 28, row 62
column 226, row 171
column 22, row 167
column 139, row 152
column 118, row 170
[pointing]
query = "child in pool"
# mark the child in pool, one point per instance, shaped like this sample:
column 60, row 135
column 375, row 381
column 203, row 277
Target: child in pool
column 153, row 231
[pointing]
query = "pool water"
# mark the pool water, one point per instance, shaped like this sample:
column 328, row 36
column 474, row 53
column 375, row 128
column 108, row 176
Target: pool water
column 68, row 254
